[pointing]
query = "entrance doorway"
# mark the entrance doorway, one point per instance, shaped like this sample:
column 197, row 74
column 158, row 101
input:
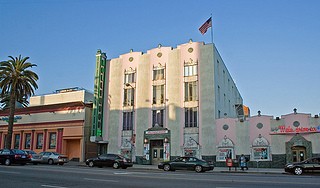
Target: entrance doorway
column 298, row 153
column 157, row 151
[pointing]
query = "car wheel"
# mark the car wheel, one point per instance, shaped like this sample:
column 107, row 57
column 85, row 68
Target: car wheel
column 298, row 171
column 50, row 161
column 115, row 165
column 7, row 162
column 91, row 164
column 198, row 168
column 166, row 167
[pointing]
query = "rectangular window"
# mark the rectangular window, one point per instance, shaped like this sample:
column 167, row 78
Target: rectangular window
column 157, row 117
column 158, row 74
column 127, row 121
column 129, row 78
column 16, row 141
column 52, row 141
column 128, row 97
column 260, row 153
column 190, row 70
column 191, row 91
column 158, row 94
column 39, row 141
column 27, row 142
column 191, row 117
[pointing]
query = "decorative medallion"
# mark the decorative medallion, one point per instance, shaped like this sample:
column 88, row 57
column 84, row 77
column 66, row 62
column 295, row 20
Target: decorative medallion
column 131, row 59
column 259, row 125
column 296, row 123
column 159, row 54
column 225, row 127
column 190, row 50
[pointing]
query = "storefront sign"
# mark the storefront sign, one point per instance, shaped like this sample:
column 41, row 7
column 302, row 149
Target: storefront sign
column 157, row 132
column 282, row 129
column 6, row 119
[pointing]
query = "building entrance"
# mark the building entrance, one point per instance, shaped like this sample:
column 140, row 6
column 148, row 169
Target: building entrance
column 157, row 151
column 298, row 153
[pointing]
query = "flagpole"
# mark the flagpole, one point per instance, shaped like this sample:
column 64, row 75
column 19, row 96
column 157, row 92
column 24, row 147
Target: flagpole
column 211, row 30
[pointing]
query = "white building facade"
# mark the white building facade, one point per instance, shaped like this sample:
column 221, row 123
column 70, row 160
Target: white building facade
column 163, row 104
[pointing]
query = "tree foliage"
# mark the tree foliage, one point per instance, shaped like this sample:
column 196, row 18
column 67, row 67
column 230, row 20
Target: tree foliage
column 17, row 83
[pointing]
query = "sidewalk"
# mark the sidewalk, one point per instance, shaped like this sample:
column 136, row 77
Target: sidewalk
column 224, row 169
column 216, row 169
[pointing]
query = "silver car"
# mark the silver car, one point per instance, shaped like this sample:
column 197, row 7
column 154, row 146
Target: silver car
column 53, row 158
column 35, row 158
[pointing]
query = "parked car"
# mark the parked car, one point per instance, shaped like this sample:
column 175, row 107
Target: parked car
column 51, row 158
column 35, row 158
column 309, row 165
column 13, row 156
column 111, row 160
column 186, row 163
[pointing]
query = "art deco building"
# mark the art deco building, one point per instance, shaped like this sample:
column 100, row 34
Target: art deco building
column 163, row 103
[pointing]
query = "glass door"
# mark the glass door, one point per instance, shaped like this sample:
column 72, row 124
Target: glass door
column 298, row 154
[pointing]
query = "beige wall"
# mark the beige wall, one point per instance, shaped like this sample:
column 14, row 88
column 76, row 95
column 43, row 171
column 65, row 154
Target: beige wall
column 73, row 96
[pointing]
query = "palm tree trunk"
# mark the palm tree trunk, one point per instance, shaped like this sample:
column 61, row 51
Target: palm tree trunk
column 11, row 119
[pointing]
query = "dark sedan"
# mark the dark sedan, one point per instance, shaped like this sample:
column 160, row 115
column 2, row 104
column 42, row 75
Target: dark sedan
column 13, row 156
column 112, row 160
column 307, row 166
column 186, row 163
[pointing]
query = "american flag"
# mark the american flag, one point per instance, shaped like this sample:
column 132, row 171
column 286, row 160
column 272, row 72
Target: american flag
column 203, row 29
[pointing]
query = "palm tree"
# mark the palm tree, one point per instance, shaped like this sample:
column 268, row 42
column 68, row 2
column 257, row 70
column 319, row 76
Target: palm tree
column 17, row 83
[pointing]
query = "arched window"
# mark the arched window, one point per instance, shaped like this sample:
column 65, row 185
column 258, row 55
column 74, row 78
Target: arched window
column 225, row 149
column 260, row 149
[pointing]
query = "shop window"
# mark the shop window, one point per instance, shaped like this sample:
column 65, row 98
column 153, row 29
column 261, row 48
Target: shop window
column 52, row 141
column 260, row 149
column 39, row 141
column 16, row 141
column 27, row 143
column 225, row 149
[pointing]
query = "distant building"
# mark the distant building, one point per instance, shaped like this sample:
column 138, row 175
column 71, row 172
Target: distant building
column 58, row 122
column 161, row 104
column 268, row 141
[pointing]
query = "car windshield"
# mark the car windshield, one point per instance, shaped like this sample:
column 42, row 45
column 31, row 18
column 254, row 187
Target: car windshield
column 31, row 152
column 55, row 153
column 17, row 151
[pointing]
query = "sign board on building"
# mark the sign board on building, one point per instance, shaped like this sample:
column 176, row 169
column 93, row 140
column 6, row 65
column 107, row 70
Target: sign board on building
column 282, row 129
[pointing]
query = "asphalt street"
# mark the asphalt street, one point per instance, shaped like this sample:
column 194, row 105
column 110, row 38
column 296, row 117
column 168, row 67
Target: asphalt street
column 54, row 176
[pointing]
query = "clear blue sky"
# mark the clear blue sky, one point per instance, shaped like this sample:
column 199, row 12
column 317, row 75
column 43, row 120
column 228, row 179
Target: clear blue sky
column 271, row 47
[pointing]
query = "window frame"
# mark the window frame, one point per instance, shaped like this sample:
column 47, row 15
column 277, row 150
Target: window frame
column 158, row 117
column 191, row 117
column 27, row 140
column 127, row 121
column 39, row 144
column 191, row 91
column 52, row 141
column 17, row 140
